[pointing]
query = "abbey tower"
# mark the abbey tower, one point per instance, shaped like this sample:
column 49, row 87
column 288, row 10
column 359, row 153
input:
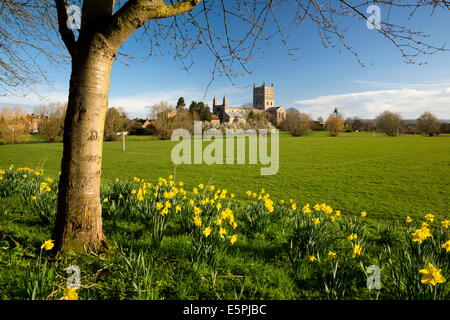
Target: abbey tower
column 263, row 97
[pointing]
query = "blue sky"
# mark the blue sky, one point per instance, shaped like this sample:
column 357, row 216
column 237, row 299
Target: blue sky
column 319, row 80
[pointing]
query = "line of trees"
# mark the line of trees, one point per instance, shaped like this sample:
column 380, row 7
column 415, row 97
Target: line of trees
column 47, row 120
column 167, row 117
column 390, row 123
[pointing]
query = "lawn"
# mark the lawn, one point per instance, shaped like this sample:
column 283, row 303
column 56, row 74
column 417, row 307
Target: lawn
column 388, row 177
column 166, row 243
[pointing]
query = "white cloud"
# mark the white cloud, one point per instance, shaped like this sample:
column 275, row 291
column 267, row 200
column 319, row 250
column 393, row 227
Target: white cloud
column 410, row 103
column 403, row 85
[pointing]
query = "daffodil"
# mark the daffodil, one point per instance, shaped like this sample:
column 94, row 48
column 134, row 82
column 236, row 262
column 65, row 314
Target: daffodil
column 408, row 219
column 429, row 217
column 197, row 221
column 446, row 245
column 332, row 255
column 316, row 221
column 207, row 231
column 48, row 245
column 352, row 236
column 233, row 239
column 70, row 294
column 356, row 250
column 431, row 275
column 363, row 214
column 421, row 234
column 312, row 258
column 222, row 232
column 445, row 223
column 306, row 209
column 177, row 208
column 268, row 204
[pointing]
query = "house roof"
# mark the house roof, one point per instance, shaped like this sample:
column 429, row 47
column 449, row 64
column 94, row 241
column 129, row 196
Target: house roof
column 273, row 109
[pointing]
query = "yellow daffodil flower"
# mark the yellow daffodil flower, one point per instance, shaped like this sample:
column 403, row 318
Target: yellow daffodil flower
column 48, row 245
column 431, row 275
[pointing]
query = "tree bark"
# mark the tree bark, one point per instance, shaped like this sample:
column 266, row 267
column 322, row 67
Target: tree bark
column 78, row 224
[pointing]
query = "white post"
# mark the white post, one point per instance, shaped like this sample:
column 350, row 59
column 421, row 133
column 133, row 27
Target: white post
column 123, row 141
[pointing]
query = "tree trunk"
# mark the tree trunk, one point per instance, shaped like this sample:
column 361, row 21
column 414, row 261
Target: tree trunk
column 78, row 225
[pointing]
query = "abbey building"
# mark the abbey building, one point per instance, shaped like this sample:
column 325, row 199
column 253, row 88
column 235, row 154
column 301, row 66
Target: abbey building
column 263, row 102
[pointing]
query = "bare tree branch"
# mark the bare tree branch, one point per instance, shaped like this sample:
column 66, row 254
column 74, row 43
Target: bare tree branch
column 66, row 34
column 135, row 13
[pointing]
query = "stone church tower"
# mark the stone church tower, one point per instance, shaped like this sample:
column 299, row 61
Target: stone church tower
column 263, row 97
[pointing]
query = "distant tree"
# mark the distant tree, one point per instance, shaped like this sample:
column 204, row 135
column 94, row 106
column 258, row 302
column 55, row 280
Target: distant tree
column 258, row 120
column 357, row 124
column 200, row 110
column 14, row 125
column 183, row 119
column 390, row 123
column 180, row 104
column 51, row 125
column 134, row 127
column 163, row 113
column 428, row 124
column 115, row 122
column 161, row 106
column 445, row 128
column 297, row 123
column 334, row 124
column 320, row 120
column 349, row 125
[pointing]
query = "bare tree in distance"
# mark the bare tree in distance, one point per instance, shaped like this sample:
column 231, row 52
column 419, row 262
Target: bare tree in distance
column 297, row 123
column 52, row 125
column 115, row 122
column 30, row 28
column 390, row 123
column 163, row 112
column 159, row 107
column 428, row 124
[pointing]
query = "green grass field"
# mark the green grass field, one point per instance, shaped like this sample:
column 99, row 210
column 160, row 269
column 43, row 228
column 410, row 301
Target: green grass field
column 388, row 177
column 169, row 256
